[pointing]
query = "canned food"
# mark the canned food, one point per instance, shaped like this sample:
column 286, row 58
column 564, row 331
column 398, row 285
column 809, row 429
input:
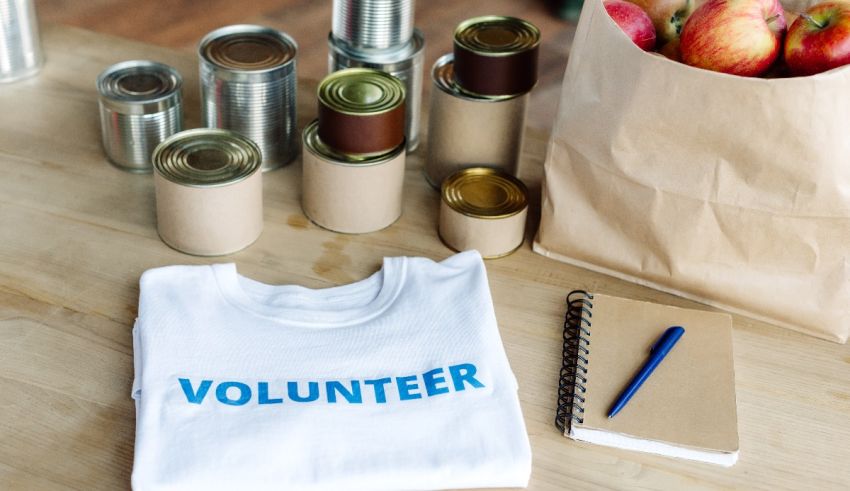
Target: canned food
column 248, row 85
column 403, row 62
column 141, row 104
column 20, row 46
column 209, row 192
column 496, row 56
column 361, row 111
column 470, row 131
column 373, row 24
column 349, row 193
column 483, row 209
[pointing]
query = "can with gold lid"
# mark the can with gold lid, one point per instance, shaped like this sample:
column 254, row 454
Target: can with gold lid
column 496, row 56
column 361, row 111
column 348, row 193
column 465, row 130
column 209, row 191
column 141, row 104
column 483, row 209
column 248, row 85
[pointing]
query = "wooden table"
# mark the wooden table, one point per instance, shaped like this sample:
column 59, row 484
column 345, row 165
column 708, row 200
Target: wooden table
column 77, row 233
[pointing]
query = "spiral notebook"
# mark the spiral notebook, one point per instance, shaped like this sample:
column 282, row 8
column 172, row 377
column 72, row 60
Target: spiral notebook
column 687, row 407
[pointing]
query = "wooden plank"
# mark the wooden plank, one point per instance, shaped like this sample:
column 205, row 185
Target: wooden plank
column 77, row 233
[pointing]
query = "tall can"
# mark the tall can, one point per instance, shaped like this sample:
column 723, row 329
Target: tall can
column 373, row 24
column 20, row 46
column 248, row 85
column 467, row 130
column 404, row 63
column 141, row 104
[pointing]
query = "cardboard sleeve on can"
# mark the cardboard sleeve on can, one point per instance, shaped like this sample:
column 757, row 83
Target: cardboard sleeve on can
column 352, row 198
column 492, row 237
column 467, row 132
column 210, row 221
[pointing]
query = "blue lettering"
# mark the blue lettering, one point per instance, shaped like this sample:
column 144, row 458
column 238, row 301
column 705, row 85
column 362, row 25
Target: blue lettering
column 244, row 393
column 292, row 389
column 380, row 393
column 431, row 379
column 353, row 396
column 195, row 397
column 263, row 394
column 464, row 373
column 405, row 386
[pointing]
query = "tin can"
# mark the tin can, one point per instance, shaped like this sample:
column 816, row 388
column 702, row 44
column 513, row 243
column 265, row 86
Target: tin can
column 373, row 24
column 403, row 62
column 248, row 85
column 209, row 191
column 141, row 104
column 465, row 130
column 496, row 56
column 350, row 194
column 361, row 111
column 483, row 209
column 20, row 46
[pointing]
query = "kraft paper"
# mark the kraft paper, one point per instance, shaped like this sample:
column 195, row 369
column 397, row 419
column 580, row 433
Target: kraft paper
column 728, row 190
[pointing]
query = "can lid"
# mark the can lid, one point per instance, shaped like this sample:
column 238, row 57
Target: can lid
column 206, row 157
column 484, row 192
column 494, row 35
column 359, row 91
column 131, row 84
column 248, row 48
column 315, row 144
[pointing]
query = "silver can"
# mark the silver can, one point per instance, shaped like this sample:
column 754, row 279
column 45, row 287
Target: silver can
column 141, row 104
column 20, row 47
column 373, row 24
column 404, row 63
column 248, row 85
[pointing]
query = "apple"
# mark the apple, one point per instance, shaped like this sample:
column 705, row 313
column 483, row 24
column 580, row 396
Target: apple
column 819, row 40
column 671, row 50
column 741, row 37
column 633, row 21
column 668, row 16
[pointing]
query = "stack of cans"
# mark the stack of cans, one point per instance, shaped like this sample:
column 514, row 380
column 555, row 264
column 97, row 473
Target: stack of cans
column 20, row 46
column 353, row 158
column 379, row 34
column 480, row 97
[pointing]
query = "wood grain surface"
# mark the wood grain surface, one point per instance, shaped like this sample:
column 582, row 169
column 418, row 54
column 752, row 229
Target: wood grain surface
column 76, row 234
column 180, row 24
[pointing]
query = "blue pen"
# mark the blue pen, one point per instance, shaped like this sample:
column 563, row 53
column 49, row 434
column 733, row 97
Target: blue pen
column 657, row 353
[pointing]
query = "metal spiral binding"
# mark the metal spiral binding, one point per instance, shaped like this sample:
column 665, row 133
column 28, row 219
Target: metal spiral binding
column 572, row 383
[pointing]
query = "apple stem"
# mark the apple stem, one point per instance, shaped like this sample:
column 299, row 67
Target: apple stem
column 813, row 21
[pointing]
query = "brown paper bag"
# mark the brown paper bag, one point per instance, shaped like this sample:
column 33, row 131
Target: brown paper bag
column 727, row 190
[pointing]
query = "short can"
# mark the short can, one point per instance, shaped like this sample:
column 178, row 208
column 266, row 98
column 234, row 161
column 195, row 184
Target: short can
column 248, row 85
column 209, row 192
column 361, row 111
column 483, row 209
column 465, row 130
column 347, row 193
column 496, row 56
column 141, row 104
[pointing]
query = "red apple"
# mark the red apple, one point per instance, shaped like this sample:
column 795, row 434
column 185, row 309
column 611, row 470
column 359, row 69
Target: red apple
column 633, row 21
column 668, row 16
column 819, row 40
column 741, row 37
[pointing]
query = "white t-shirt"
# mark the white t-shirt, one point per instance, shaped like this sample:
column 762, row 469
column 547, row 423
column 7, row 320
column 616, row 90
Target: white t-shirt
column 399, row 381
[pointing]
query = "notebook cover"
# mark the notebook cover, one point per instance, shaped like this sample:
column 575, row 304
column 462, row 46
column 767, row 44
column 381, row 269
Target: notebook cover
column 690, row 398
